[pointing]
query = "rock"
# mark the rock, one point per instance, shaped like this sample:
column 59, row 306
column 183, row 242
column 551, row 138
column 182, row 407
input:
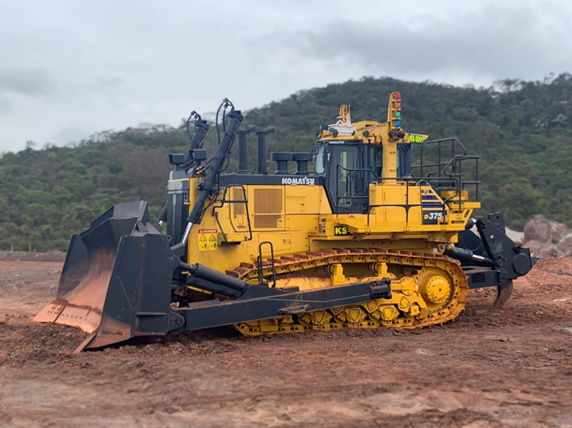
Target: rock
column 546, row 231
column 538, row 248
column 547, row 237
column 565, row 245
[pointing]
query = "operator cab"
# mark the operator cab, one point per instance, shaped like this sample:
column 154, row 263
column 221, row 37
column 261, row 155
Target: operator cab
column 351, row 156
column 348, row 167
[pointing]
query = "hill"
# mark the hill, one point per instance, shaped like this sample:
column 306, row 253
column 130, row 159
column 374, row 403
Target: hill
column 522, row 130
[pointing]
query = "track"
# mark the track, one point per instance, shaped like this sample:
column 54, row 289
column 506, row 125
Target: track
column 426, row 289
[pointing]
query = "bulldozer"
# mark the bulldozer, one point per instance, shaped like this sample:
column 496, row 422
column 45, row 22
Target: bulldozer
column 373, row 227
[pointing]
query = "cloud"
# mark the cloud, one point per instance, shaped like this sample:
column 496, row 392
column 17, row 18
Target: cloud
column 5, row 106
column 76, row 68
column 110, row 81
column 74, row 131
column 31, row 82
column 493, row 42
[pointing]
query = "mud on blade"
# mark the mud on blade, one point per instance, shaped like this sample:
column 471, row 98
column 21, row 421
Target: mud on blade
column 103, row 272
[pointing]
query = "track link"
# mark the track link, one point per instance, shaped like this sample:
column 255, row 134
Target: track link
column 426, row 289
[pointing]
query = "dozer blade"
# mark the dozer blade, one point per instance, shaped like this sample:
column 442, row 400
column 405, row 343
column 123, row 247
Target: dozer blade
column 116, row 279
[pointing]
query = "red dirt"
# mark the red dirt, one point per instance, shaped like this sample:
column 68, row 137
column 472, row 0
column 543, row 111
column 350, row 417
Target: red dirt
column 25, row 256
column 490, row 368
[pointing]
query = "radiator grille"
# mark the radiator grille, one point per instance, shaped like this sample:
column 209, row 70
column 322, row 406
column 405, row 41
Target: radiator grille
column 267, row 208
column 238, row 195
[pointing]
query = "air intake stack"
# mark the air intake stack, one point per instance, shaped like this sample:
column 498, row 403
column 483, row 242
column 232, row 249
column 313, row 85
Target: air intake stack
column 242, row 150
column 262, row 150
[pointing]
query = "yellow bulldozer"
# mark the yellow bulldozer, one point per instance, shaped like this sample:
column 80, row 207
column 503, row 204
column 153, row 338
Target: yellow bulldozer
column 352, row 234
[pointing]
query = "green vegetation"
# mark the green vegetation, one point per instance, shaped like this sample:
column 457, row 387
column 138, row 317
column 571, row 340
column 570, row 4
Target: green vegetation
column 522, row 131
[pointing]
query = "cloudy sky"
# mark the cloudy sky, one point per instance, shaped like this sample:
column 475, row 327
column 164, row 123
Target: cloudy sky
column 71, row 68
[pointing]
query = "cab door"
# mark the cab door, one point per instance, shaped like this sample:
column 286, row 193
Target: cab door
column 346, row 178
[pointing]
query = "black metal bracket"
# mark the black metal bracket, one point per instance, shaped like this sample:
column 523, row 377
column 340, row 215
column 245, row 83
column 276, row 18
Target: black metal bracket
column 502, row 260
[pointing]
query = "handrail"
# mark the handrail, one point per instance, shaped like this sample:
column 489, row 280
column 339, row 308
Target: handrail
column 452, row 169
column 225, row 201
column 443, row 175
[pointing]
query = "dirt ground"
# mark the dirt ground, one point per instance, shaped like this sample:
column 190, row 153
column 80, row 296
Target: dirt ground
column 507, row 368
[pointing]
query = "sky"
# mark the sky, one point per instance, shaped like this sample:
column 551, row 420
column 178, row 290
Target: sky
column 70, row 69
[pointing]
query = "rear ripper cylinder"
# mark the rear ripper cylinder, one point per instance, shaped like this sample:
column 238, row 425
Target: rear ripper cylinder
column 464, row 254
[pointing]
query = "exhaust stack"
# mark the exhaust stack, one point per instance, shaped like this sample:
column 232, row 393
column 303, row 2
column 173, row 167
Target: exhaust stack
column 281, row 159
column 302, row 160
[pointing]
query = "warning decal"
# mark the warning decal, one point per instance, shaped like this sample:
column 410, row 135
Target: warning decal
column 207, row 239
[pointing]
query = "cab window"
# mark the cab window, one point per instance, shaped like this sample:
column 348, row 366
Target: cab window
column 319, row 163
column 375, row 163
column 342, row 180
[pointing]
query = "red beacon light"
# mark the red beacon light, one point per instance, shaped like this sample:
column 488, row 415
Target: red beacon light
column 397, row 95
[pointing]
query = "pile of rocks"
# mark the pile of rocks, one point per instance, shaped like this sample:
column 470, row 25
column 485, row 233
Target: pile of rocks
column 547, row 237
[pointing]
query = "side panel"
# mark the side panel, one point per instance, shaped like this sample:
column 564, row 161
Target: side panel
column 395, row 207
column 177, row 197
column 283, row 215
column 298, row 218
